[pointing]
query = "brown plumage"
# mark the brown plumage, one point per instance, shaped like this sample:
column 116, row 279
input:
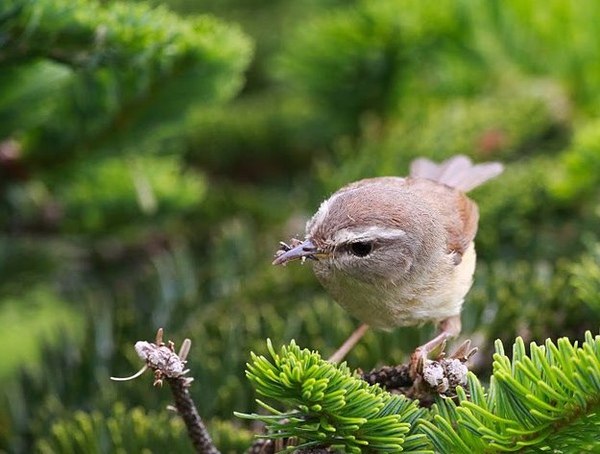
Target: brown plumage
column 399, row 251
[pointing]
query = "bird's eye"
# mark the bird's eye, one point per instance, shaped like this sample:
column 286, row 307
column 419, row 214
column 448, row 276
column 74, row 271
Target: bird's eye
column 361, row 248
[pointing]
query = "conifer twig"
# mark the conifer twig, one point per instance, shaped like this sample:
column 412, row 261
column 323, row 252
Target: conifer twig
column 186, row 408
column 390, row 377
column 435, row 377
column 170, row 367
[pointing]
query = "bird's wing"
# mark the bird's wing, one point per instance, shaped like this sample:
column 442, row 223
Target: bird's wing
column 462, row 229
column 459, row 213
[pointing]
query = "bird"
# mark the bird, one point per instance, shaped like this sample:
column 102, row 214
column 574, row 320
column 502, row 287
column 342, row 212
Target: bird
column 398, row 251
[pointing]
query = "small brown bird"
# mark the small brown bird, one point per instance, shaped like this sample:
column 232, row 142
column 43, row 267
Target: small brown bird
column 398, row 251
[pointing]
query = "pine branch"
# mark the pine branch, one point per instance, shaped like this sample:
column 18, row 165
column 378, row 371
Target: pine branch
column 534, row 400
column 127, row 63
column 542, row 400
column 331, row 406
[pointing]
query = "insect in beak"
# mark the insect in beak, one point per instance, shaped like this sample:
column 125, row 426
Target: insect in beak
column 299, row 250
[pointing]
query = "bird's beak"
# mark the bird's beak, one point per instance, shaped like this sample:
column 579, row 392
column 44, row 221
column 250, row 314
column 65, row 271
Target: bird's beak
column 302, row 251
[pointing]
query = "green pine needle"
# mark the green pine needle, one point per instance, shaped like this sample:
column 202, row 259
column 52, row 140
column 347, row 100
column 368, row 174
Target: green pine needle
column 544, row 399
column 331, row 406
column 536, row 402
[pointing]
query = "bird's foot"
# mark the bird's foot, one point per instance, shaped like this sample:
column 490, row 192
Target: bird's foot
column 443, row 373
column 464, row 352
column 425, row 379
column 421, row 356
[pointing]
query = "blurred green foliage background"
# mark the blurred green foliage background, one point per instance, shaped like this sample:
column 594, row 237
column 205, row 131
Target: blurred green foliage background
column 153, row 154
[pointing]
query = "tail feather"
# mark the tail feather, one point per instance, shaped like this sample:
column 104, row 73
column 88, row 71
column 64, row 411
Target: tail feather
column 457, row 172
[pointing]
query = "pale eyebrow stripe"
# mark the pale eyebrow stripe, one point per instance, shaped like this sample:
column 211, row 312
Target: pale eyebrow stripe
column 370, row 233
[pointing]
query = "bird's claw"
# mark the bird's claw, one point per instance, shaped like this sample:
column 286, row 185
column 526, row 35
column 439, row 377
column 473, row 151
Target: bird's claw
column 464, row 352
column 420, row 356
column 417, row 362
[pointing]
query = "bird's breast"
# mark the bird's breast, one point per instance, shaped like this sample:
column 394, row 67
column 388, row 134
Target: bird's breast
column 431, row 295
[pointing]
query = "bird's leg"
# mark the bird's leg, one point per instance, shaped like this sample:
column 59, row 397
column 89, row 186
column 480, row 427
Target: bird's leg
column 341, row 352
column 449, row 327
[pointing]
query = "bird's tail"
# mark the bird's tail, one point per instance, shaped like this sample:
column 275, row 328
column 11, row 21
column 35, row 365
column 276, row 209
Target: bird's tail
column 457, row 172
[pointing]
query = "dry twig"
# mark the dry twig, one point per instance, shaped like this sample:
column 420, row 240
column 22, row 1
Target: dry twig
column 170, row 367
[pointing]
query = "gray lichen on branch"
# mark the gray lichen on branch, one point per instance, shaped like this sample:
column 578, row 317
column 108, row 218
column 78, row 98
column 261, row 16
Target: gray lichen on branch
column 169, row 366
